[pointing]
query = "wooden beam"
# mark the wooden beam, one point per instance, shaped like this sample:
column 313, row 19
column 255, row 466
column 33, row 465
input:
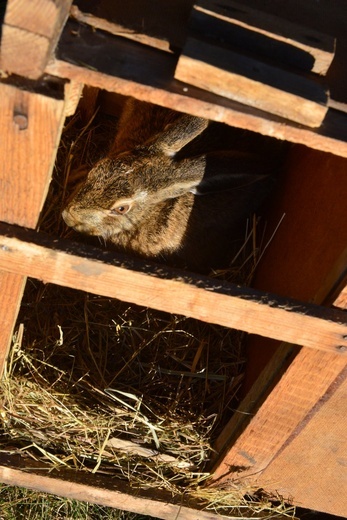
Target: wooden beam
column 264, row 34
column 317, row 452
column 119, row 30
column 306, row 259
column 148, row 76
column 30, row 128
column 30, row 33
column 289, row 404
column 252, row 82
column 110, row 491
column 174, row 291
column 11, row 292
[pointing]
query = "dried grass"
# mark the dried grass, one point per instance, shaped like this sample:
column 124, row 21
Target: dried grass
column 101, row 386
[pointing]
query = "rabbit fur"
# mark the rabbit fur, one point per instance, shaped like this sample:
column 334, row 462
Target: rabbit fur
column 164, row 192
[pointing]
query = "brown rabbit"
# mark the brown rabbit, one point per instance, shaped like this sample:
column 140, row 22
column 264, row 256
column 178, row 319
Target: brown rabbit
column 163, row 193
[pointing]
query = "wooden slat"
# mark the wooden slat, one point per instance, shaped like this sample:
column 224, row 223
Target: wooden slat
column 111, row 491
column 264, row 34
column 73, row 92
column 30, row 128
column 30, row 33
column 306, row 259
column 173, row 291
column 341, row 300
column 119, row 29
column 305, row 382
column 318, row 453
column 11, row 292
column 148, row 75
column 252, row 82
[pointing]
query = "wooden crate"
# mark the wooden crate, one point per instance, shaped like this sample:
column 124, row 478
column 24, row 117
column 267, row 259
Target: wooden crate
column 292, row 417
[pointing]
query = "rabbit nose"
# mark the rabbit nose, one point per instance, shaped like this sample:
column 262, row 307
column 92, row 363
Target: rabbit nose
column 70, row 217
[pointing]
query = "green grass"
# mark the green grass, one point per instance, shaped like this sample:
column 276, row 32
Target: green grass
column 19, row 503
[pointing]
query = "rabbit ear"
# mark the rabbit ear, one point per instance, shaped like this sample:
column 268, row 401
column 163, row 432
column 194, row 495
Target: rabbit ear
column 231, row 171
column 180, row 133
column 213, row 173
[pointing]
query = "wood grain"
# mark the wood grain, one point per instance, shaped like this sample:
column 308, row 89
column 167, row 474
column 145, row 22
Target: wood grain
column 148, row 75
column 110, row 492
column 30, row 34
column 11, row 292
column 264, row 34
column 318, row 453
column 306, row 380
column 173, row 291
column 252, row 82
column 30, row 128
column 307, row 260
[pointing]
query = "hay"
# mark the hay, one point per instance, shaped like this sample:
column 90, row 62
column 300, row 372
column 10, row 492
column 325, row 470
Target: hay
column 101, row 386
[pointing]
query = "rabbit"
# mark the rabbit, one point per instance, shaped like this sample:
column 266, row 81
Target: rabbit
column 162, row 194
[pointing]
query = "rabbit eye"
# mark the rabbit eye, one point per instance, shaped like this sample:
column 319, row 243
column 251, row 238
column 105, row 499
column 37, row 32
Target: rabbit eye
column 120, row 210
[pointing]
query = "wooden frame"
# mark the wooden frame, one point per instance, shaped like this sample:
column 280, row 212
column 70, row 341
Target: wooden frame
column 268, row 425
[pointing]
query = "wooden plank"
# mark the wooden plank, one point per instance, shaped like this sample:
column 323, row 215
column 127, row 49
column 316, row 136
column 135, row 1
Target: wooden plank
column 73, row 92
column 119, row 29
column 30, row 34
column 341, row 300
column 323, row 16
column 30, row 126
column 174, row 291
column 291, row 401
column 110, row 491
column 312, row 269
column 264, row 34
column 252, row 82
column 307, row 257
column 317, row 452
column 148, row 75
column 11, row 292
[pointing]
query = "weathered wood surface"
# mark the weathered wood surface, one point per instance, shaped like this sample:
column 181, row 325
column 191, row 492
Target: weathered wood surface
column 326, row 16
column 30, row 33
column 118, row 29
column 279, row 418
column 251, row 82
column 173, row 291
column 30, row 128
column 264, row 34
column 110, row 491
column 148, row 74
column 341, row 300
column 11, row 291
column 317, row 451
column 307, row 259
column 72, row 93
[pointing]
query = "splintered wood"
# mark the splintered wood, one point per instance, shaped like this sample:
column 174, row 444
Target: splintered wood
column 30, row 33
column 214, row 58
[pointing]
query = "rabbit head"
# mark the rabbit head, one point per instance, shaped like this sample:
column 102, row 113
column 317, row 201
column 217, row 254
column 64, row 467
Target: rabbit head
column 120, row 191
column 165, row 198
